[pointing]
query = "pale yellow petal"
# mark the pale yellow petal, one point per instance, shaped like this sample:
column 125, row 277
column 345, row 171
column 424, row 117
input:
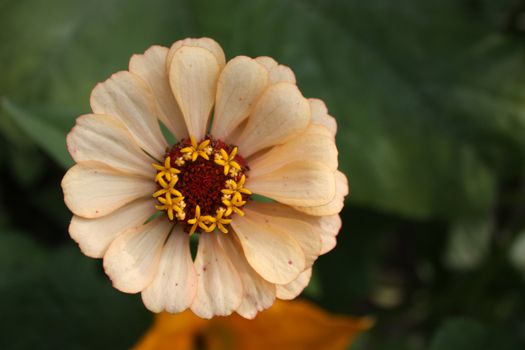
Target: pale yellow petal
column 282, row 74
column 320, row 115
column 299, row 183
column 95, row 235
column 327, row 226
column 267, row 61
column 175, row 283
column 234, row 134
column 132, row 260
column 151, row 67
column 258, row 294
column 278, row 115
column 330, row 227
column 105, row 139
column 129, row 98
column 240, row 84
column 277, row 73
column 336, row 204
column 205, row 43
column 92, row 189
column 275, row 255
column 311, row 145
column 193, row 75
column 293, row 289
column 219, row 287
column 306, row 235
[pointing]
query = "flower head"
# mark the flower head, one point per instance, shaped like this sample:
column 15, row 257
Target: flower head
column 137, row 200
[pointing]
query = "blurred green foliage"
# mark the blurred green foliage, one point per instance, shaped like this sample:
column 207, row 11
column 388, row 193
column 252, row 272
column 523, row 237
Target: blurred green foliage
column 56, row 299
column 430, row 102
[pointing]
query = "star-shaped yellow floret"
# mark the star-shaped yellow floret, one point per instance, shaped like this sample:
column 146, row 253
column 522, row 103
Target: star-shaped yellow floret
column 205, row 222
column 194, row 151
column 168, row 188
column 165, row 171
column 221, row 220
column 233, row 203
column 233, row 187
column 227, row 160
column 171, row 205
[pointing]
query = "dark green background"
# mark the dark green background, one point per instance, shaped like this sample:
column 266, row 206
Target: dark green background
column 430, row 101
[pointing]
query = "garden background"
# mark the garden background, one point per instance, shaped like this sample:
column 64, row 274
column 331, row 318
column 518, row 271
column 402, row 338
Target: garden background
column 430, row 102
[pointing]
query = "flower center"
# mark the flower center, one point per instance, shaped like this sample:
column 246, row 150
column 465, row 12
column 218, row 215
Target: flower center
column 201, row 185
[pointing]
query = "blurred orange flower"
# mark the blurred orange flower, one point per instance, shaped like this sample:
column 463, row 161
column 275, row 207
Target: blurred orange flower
column 287, row 325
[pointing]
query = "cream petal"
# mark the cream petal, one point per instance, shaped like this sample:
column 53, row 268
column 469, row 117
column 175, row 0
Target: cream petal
column 312, row 144
column 105, row 139
column 320, row 115
column 293, row 289
column 151, row 67
column 258, row 294
column 240, row 84
column 92, row 189
column 277, row 73
column 267, row 61
column 205, row 43
column 327, row 226
column 193, row 75
column 330, row 227
column 95, row 235
column 129, row 98
column 280, row 113
column 299, row 183
column 132, row 260
column 175, row 283
column 275, row 255
column 282, row 74
column 234, row 134
column 219, row 287
column 306, row 235
column 336, row 204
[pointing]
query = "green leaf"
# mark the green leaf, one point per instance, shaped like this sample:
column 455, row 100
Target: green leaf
column 349, row 272
column 17, row 151
column 468, row 243
column 517, row 253
column 58, row 299
column 467, row 334
column 369, row 340
column 58, row 58
column 47, row 136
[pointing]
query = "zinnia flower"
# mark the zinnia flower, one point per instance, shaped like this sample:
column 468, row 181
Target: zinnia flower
column 256, row 181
